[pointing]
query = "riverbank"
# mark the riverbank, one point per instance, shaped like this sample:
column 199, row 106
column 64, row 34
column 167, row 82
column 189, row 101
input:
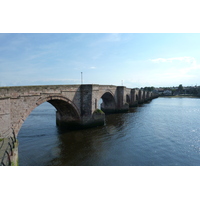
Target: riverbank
column 181, row 96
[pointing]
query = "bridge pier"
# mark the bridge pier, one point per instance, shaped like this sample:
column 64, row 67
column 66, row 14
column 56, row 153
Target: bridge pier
column 134, row 100
column 90, row 116
column 122, row 105
column 108, row 109
column 64, row 122
column 141, row 97
column 96, row 119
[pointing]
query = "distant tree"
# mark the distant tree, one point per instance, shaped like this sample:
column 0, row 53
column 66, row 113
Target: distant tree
column 173, row 91
column 149, row 88
column 195, row 91
column 166, row 88
column 198, row 91
column 180, row 88
column 152, row 88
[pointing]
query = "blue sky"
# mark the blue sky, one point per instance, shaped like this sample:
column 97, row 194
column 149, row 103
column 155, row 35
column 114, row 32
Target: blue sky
column 139, row 59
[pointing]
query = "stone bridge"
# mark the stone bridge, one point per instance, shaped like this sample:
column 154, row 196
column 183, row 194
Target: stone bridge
column 76, row 105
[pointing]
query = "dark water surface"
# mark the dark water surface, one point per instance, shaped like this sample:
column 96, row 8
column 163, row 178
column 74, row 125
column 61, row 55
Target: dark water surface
column 165, row 131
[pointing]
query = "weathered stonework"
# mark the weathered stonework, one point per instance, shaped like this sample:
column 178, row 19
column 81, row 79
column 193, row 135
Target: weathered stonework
column 5, row 117
column 75, row 104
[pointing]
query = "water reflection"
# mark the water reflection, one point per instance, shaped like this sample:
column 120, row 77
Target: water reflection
column 90, row 146
column 162, row 132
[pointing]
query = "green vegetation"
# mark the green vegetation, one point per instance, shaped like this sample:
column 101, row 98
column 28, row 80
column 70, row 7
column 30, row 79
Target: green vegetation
column 180, row 88
column 149, row 88
column 181, row 96
column 15, row 163
column 15, row 158
column 179, row 91
column 98, row 111
column 1, row 139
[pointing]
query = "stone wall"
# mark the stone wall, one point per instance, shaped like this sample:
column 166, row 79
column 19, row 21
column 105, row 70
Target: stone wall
column 5, row 129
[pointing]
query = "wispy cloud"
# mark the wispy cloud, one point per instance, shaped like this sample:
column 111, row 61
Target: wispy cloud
column 184, row 70
column 13, row 42
column 191, row 68
column 108, row 38
column 181, row 74
column 57, row 80
column 182, row 59
column 92, row 67
column 35, row 56
column 113, row 37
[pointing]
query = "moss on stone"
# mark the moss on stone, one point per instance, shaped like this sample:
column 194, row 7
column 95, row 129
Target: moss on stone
column 15, row 158
column 98, row 111
column 15, row 163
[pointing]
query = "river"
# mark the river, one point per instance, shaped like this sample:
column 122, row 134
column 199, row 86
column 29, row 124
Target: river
column 163, row 132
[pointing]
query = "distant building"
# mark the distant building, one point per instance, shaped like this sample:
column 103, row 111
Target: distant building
column 167, row 92
column 160, row 91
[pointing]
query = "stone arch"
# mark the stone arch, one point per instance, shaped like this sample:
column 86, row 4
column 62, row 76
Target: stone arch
column 65, row 109
column 128, row 100
column 109, row 104
column 63, row 105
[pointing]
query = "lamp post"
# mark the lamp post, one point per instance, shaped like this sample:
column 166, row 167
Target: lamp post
column 81, row 77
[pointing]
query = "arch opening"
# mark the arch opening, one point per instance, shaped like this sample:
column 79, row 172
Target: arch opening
column 38, row 132
column 37, row 135
column 107, row 103
column 128, row 99
column 66, row 112
column 67, row 116
column 99, row 104
column 43, row 113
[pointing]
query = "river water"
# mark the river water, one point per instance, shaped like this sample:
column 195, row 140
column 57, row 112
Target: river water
column 163, row 132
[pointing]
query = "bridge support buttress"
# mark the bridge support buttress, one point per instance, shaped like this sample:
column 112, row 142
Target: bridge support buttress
column 90, row 116
column 122, row 105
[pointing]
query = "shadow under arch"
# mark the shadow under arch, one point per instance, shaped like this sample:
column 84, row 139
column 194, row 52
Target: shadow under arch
column 109, row 104
column 67, row 114
column 66, row 111
column 128, row 99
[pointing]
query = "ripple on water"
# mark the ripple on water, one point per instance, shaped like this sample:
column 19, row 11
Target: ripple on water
column 162, row 132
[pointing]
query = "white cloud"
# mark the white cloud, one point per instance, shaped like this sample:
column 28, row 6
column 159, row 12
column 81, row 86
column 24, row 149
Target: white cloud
column 188, row 69
column 57, row 80
column 177, row 70
column 182, row 59
column 92, row 67
column 186, row 74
